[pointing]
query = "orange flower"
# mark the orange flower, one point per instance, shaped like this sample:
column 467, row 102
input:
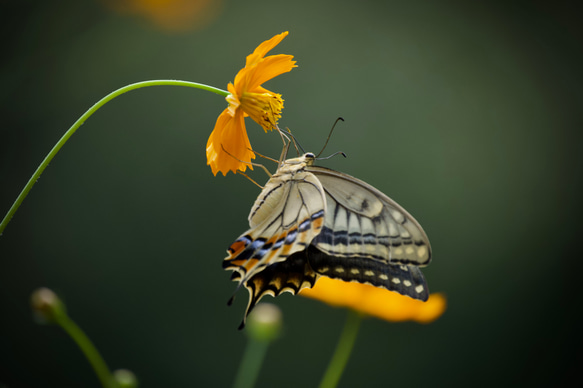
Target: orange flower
column 171, row 15
column 247, row 98
column 376, row 302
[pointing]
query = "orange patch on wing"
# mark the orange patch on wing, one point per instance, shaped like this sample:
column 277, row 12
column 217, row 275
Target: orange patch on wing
column 275, row 251
column 249, row 264
column 237, row 263
column 318, row 223
column 236, row 248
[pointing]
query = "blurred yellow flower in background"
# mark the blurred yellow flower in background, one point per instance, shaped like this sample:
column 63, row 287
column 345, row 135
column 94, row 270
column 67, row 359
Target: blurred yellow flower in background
column 248, row 98
column 376, row 302
column 171, row 15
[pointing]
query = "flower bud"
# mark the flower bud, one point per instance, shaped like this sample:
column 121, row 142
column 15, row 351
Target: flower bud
column 46, row 306
column 265, row 322
column 125, row 378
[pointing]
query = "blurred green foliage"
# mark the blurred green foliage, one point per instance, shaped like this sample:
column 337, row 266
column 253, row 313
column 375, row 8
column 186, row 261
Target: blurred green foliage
column 467, row 114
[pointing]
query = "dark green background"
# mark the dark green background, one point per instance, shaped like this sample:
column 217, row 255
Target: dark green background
column 468, row 114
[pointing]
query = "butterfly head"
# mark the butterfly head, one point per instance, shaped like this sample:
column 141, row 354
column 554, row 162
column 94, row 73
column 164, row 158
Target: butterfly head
column 300, row 162
column 307, row 159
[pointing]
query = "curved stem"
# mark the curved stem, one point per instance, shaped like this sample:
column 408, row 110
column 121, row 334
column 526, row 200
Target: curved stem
column 81, row 120
column 343, row 350
column 88, row 349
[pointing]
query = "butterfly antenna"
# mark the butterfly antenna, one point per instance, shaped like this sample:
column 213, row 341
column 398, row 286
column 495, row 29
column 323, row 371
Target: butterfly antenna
column 250, row 163
column 288, row 134
column 329, row 135
column 334, row 154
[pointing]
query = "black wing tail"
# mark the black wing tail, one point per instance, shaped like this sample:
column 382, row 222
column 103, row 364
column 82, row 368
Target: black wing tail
column 290, row 275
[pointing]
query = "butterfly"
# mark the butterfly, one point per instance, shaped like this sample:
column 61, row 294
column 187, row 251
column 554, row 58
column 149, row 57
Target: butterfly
column 312, row 221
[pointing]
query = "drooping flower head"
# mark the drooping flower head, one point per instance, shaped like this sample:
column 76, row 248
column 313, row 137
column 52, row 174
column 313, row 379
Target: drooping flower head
column 228, row 147
column 376, row 302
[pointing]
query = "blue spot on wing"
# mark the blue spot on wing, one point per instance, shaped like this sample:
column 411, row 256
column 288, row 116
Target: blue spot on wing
column 291, row 236
column 251, row 249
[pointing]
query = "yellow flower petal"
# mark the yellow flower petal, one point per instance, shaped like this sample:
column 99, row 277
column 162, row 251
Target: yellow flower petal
column 264, row 48
column 269, row 68
column 230, row 135
column 376, row 302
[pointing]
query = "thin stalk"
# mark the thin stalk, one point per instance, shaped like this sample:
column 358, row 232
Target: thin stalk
column 343, row 350
column 87, row 347
column 251, row 363
column 80, row 122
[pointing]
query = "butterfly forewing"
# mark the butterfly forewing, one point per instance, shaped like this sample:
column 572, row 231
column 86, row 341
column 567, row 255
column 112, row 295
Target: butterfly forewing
column 363, row 222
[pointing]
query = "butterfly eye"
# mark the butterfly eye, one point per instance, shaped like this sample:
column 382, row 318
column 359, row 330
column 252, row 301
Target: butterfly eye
column 310, row 155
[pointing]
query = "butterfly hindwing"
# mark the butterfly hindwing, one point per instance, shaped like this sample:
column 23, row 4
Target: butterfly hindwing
column 404, row 279
column 285, row 218
column 290, row 275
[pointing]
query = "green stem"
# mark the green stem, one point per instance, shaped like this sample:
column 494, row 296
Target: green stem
column 343, row 350
column 88, row 349
column 81, row 120
column 251, row 363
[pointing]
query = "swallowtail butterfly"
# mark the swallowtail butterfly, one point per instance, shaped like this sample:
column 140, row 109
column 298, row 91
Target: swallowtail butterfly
column 312, row 221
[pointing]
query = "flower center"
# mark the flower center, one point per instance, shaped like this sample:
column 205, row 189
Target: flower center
column 263, row 108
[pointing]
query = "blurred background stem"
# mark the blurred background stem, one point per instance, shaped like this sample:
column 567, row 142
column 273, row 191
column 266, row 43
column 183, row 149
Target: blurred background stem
column 48, row 308
column 251, row 363
column 87, row 347
column 343, row 350
column 80, row 122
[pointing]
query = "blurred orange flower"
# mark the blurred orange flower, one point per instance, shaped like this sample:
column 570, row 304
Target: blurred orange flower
column 171, row 15
column 376, row 302
column 247, row 98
